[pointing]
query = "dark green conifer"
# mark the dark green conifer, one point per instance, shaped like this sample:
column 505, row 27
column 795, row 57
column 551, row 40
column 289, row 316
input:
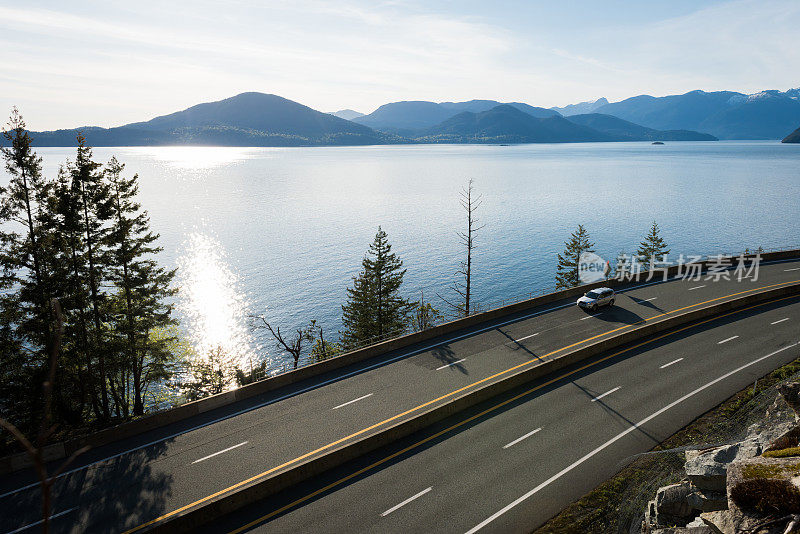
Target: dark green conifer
column 374, row 307
column 567, row 270
column 653, row 247
column 25, row 277
column 139, row 306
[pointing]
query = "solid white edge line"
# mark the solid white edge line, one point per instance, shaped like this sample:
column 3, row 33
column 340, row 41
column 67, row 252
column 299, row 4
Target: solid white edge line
column 450, row 364
column 529, row 434
column 648, row 300
column 696, row 287
column 795, row 269
column 405, row 502
column 352, row 401
column 606, row 393
column 336, row 379
column 39, row 522
column 726, row 340
column 590, row 316
column 618, row 437
column 670, row 363
column 219, row 452
column 782, row 320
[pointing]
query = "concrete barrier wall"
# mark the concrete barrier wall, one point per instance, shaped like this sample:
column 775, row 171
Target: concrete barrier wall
column 173, row 415
column 192, row 518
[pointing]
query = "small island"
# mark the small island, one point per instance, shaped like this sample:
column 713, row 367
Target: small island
column 658, row 142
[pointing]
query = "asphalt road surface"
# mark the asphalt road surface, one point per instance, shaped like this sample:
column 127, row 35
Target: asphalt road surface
column 514, row 462
column 127, row 484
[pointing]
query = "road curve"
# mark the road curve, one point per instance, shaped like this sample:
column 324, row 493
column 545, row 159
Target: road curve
column 514, row 462
column 129, row 483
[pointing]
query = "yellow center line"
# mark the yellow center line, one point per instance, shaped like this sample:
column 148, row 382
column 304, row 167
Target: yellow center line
column 485, row 412
column 426, row 404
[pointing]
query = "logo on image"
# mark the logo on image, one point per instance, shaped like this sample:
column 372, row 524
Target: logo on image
column 592, row 268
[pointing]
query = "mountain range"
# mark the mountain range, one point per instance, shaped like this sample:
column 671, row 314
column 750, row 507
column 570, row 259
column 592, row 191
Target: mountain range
column 793, row 137
column 506, row 123
column 406, row 118
column 248, row 119
column 581, row 108
column 258, row 119
column 724, row 114
column 348, row 114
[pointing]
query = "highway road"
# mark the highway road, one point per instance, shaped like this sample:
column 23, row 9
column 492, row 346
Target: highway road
column 129, row 483
column 517, row 460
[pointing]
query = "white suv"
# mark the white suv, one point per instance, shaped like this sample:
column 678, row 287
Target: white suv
column 602, row 296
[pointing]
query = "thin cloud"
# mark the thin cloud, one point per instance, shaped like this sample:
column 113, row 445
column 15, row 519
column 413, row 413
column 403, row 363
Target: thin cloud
column 130, row 62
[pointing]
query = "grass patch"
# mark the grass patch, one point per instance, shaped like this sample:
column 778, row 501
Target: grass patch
column 783, row 453
column 769, row 471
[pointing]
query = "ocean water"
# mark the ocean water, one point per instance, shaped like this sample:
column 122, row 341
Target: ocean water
column 282, row 231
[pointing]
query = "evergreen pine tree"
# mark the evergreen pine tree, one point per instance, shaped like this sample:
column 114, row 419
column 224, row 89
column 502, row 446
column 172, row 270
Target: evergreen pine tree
column 139, row 307
column 95, row 205
column 567, row 270
column 653, row 247
column 25, row 279
column 23, row 251
column 374, row 306
column 82, row 204
column 84, row 241
column 358, row 312
column 76, row 364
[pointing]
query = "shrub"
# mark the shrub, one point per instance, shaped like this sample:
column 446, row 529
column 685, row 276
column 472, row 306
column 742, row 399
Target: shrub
column 767, row 495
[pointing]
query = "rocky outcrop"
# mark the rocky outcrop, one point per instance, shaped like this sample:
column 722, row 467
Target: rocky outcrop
column 731, row 488
column 707, row 500
column 670, row 507
column 707, row 469
column 791, row 394
column 719, row 522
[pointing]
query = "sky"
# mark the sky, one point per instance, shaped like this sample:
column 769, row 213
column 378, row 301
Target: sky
column 108, row 63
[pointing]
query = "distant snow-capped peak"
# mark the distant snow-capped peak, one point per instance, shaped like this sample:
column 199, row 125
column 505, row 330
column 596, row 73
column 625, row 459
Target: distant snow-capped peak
column 794, row 94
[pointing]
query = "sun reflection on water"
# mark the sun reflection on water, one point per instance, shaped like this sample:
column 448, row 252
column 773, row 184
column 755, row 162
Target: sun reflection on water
column 196, row 157
column 213, row 308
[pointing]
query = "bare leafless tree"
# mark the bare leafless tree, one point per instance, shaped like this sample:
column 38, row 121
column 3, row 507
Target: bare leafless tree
column 35, row 449
column 461, row 305
column 299, row 342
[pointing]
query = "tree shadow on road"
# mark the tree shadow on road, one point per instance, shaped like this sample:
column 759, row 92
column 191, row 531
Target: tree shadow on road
column 446, row 356
column 517, row 346
column 111, row 496
column 129, row 492
column 644, row 302
column 600, row 402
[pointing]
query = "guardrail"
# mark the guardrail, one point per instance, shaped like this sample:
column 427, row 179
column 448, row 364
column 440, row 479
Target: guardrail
column 478, row 307
column 172, row 415
column 263, row 486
